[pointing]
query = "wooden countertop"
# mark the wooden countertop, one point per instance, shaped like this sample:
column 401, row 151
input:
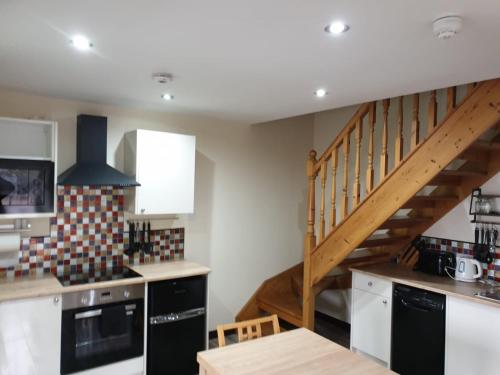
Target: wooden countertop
column 29, row 287
column 294, row 352
column 47, row 284
column 170, row 270
column 438, row 284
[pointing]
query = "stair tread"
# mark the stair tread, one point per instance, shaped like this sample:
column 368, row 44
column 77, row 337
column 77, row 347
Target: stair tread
column 486, row 145
column 402, row 222
column 382, row 239
column 285, row 305
column 460, row 173
column 434, row 197
column 338, row 280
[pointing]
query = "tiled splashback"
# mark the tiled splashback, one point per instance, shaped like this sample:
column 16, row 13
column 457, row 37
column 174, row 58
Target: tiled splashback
column 88, row 236
column 492, row 271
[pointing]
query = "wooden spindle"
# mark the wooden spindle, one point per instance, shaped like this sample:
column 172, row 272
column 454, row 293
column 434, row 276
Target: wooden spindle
column 308, row 295
column 470, row 87
column 432, row 118
column 371, row 131
column 356, row 195
column 322, row 176
column 345, row 197
column 311, row 201
column 398, row 154
column 415, row 122
column 384, row 161
column 333, row 210
column 451, row 101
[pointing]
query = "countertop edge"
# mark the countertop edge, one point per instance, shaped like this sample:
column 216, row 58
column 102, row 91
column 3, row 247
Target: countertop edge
column 150, row 279
column 48, row 285
column 425, row 286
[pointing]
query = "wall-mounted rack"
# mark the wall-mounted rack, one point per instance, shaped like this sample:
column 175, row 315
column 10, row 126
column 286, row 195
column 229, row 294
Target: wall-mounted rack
column 475, row 197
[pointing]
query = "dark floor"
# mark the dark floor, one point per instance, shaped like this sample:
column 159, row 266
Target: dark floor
column 326, row 326
column 333, row 329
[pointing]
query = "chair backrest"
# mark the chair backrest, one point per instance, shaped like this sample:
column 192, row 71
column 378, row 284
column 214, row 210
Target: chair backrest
column 248, row 329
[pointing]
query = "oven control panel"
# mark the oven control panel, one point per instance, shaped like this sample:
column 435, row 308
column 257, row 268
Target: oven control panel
column 102, row 296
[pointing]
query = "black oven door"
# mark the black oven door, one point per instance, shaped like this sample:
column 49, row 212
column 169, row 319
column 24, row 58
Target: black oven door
column 101, row 335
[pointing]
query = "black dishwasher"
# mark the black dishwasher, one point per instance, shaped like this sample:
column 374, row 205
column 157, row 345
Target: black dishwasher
column 176, row 325
column 418, row 331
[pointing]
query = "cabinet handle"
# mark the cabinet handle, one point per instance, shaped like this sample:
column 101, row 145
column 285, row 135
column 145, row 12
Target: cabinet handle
column 384, row 302
column 370, row 283
column 56, row 300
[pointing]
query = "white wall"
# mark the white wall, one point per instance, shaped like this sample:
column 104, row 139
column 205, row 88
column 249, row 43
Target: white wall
column 250, row 198
column 456, row 223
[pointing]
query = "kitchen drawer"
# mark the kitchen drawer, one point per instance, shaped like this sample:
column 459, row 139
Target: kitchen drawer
column 372, row 284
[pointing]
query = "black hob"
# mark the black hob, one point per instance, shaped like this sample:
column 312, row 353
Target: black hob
column 99, row 275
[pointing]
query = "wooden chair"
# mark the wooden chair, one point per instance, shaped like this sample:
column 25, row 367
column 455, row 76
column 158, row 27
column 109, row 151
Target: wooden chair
column 248, row 329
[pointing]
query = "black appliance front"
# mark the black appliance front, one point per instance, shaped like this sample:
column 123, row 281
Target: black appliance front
column 418, row 331
column 436, row 263
column 26, row 186
column 176, row 325
column 101, row 335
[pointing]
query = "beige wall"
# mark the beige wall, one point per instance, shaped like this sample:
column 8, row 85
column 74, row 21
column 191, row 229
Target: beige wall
column 250, row 193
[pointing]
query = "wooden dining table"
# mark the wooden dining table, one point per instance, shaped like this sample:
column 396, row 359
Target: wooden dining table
column 299, row 351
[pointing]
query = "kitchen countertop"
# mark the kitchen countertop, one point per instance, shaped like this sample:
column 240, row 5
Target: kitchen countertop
column 438, row 284
column 47, row 284
column 299, row 351
column 169, row 270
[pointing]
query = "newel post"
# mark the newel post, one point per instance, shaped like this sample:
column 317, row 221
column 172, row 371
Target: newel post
column 309, row 244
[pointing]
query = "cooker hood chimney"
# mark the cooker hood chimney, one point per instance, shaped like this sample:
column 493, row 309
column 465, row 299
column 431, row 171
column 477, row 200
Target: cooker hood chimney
column 91, row 167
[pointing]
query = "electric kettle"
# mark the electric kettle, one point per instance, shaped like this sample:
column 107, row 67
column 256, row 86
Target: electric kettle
column 468, row 269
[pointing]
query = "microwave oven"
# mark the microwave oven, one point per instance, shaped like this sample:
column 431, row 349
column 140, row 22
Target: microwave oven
column 27, row 187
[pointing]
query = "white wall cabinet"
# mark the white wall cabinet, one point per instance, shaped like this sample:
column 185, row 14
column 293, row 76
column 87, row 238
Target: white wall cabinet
column 30, row 336
column 164, row 164
column 472, row 337
column 371, row 317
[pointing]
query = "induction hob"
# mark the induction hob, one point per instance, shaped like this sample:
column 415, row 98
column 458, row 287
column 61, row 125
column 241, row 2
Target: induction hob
column 99, row 275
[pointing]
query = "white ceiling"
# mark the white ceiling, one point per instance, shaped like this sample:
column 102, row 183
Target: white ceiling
column 244, row 61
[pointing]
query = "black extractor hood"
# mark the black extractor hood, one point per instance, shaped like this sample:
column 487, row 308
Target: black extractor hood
column 91, row 167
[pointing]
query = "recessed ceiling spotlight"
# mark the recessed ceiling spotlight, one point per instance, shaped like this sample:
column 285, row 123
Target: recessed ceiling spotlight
column 167, row 97
column 336, row 27
column 81, row 43
column 320, row 93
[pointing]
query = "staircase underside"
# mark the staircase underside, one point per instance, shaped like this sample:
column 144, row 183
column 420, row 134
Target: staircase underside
column 375, row 227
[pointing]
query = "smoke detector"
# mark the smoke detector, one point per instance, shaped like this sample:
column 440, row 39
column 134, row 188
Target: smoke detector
column 162, row 78
column 447, row 27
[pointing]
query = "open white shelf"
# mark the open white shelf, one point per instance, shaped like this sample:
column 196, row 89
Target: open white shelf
column 27, row 139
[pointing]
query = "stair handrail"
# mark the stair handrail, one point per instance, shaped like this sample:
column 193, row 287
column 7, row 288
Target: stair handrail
column 348, row 128
column 319, row 167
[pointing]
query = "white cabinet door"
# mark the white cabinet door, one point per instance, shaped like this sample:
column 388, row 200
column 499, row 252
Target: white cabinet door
column 371, row 324
column 165, row 168
column 472, row 337
column 30, row 336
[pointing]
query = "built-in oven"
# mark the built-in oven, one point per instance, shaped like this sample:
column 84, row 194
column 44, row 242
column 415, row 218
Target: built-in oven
column 102, row 326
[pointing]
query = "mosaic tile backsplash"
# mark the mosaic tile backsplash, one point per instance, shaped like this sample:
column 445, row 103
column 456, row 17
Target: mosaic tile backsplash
column 491, row 271
column 88, row 236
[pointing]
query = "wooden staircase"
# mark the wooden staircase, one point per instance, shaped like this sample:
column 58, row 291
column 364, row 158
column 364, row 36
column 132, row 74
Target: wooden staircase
column 373, row 218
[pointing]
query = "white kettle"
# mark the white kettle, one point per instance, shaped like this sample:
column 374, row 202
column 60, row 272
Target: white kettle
column 468, row 269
